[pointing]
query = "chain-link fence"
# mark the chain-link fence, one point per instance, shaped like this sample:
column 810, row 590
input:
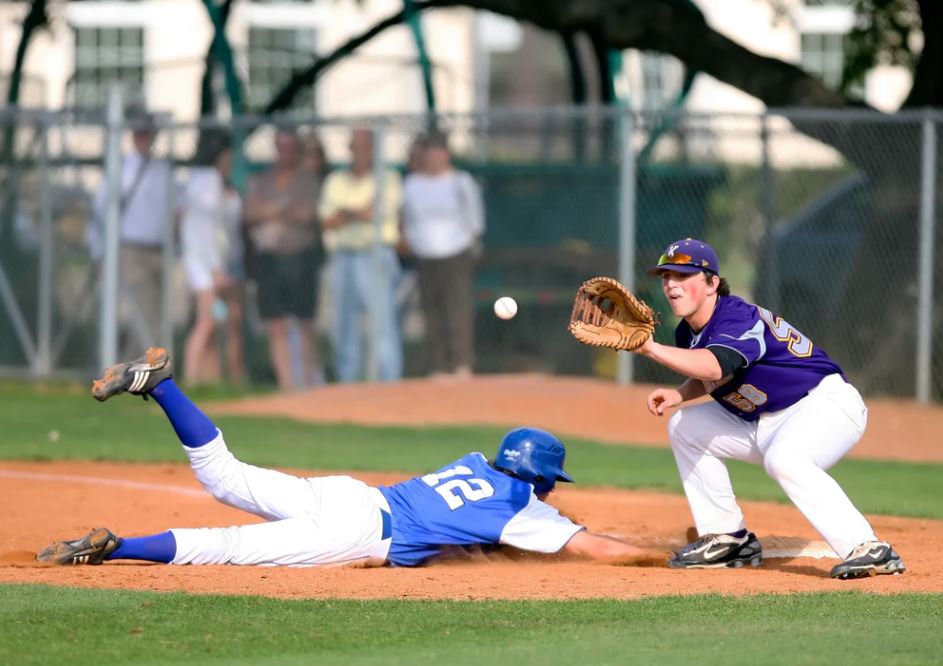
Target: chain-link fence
column 830, row 218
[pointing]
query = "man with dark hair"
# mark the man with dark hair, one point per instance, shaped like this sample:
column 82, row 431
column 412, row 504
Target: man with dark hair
column 779, row 401
column 443, row 223
column 281, row 221
column 364, row 266
column 145, row 209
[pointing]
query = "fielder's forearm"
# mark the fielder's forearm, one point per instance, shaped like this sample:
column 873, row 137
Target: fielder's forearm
column 601, row 548
column 691, row 389
column 694, row 363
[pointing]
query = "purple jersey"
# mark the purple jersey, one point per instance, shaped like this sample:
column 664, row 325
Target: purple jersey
column 782, row 364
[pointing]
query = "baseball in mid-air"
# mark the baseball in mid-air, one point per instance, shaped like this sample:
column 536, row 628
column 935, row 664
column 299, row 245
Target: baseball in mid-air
column 505, row 307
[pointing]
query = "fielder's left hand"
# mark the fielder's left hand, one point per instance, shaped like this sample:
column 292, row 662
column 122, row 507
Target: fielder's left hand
column 662, row 399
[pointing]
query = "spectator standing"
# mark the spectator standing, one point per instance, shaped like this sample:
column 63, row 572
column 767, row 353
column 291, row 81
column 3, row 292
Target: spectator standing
column 416, row 157
column 315, row 166
column 145, row 205
column 313, row 157
column 364, row 262
column 280, row 216
column 443, row 221
column 213, row 256
column 408, row 300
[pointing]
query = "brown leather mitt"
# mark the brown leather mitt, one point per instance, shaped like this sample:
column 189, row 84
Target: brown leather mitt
column 606, row 314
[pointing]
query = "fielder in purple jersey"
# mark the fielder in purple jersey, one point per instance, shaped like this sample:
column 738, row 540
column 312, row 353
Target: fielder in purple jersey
column 778, row 366
column 338, row 520
column 778, row 401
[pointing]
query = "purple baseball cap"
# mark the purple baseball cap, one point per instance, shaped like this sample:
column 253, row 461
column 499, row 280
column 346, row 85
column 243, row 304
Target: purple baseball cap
column 687, row 256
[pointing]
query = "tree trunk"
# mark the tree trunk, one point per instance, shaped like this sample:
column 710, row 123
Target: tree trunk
column 13, row 260
column 927, row 89
column 207, row 94
column 35, row 19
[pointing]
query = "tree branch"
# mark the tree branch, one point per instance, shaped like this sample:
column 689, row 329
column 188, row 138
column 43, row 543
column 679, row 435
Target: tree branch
column 575, row 68
column 598, row 39
column 36, row 18
column 303, row 78
column 678, row 28
column 207, row 96
column 927, row 89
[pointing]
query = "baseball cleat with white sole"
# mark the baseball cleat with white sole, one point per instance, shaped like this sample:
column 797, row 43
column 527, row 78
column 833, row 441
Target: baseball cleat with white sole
column 715, row 551
column 136, row 377
column 872, row 558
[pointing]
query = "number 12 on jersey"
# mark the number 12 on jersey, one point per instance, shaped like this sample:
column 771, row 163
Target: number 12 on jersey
column 456, row 492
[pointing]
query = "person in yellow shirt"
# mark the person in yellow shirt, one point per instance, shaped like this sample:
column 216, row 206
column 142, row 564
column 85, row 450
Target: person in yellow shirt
column 363, row 259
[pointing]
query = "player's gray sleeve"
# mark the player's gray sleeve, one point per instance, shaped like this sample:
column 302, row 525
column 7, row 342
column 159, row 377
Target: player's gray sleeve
column 538, row 527
column 744, row 344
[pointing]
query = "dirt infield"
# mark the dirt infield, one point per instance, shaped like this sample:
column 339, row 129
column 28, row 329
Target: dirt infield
column 45, row 501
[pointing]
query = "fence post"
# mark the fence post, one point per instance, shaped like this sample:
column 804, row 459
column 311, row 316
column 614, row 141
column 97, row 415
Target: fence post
column 166, row 333
column 108, row 335
column 627, row 184
column 768, row 206
column 379, row 214
column 925, row 261
column 43, row 359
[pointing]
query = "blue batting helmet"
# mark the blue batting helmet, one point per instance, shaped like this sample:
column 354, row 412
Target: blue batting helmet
column 533, row 455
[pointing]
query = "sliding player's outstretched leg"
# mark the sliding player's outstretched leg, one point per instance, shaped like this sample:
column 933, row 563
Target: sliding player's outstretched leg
column 101, row 544
column 329, row 520
column 264, row 492
column 152, row 375
column 349, row 531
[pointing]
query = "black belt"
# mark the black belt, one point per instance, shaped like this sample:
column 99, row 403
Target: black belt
column 387, row 520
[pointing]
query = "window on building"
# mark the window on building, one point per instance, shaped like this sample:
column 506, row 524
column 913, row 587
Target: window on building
column 274, row 53
column 823, row 54
column 661, row 78
column 104, row 56
column 653, row 81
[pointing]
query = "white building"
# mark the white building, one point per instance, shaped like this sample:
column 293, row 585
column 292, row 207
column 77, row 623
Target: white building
column 160, row 45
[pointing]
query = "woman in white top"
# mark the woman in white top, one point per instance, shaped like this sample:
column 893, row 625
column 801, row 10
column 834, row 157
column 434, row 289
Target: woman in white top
column 443, row 221
column 213, row 256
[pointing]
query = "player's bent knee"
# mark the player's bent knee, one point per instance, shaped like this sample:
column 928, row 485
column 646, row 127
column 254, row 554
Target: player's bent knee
column 784, row 465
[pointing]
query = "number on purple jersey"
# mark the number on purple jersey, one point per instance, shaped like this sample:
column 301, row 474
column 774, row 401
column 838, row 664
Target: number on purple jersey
column 798, row 344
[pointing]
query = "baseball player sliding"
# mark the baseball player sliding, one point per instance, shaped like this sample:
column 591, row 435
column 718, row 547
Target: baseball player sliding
column 338, row 520
column 779, row 401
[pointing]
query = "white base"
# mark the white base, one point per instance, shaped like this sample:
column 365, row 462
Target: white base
column 789, row 547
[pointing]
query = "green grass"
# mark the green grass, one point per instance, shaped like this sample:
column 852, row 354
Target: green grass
column 133, row 431
column 45, row 625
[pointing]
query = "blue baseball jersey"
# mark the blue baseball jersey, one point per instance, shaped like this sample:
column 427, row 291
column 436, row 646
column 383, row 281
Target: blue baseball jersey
column 470, row 503
column 782, row 364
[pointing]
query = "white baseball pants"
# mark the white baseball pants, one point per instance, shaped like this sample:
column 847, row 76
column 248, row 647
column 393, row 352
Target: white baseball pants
column 795, row 446
column 332, row 520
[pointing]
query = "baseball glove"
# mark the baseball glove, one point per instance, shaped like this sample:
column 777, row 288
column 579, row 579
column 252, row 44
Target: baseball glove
column 606, row 314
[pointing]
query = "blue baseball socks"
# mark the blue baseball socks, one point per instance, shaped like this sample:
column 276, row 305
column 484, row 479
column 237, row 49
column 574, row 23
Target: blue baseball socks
column 154, row 548
column 194, row 429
